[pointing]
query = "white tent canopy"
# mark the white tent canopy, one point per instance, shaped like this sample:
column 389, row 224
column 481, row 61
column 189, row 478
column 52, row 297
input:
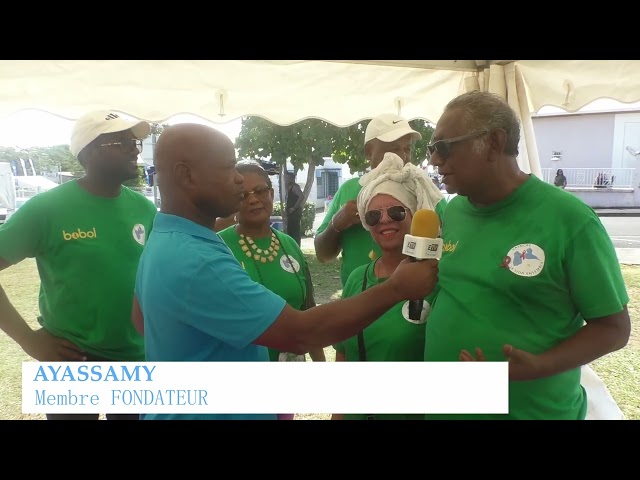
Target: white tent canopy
column 341, row 92
column 285, row 91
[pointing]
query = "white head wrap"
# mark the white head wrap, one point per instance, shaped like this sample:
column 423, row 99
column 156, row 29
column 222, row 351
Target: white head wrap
column 406, row 183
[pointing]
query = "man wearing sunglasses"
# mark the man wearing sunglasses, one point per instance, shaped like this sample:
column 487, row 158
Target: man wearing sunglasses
column 528, row 274
column 86, row 236
column 341, row 229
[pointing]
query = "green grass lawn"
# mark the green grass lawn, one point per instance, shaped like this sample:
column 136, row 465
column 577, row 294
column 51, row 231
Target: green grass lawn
column 21, row 284
column 620, row 370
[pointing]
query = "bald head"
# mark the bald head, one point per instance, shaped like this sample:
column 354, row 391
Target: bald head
column 190, row 143
column 196, row 170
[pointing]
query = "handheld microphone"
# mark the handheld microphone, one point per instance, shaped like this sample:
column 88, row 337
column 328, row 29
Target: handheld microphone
column 423, row 243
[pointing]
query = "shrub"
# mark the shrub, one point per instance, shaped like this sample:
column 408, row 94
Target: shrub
column 308, row 216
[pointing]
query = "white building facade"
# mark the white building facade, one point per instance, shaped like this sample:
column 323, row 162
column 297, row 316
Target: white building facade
column 598, row 152
column 328, row 178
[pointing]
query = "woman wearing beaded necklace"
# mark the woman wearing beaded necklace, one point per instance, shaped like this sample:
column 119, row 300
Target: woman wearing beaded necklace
column 269, row 256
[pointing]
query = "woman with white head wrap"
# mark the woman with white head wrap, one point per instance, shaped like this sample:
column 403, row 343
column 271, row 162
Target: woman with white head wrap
column 406, row 183
column 390, row 195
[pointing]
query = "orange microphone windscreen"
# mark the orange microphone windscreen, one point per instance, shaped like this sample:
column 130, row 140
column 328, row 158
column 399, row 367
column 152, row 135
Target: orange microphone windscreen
column 425, row 224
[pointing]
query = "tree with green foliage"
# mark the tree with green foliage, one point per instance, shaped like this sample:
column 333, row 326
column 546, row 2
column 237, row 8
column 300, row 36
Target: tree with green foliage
column 348, row 144
column 156, row 130
column 309, row 141
column 312, row 139
column 52, row 159
column 303, row 143
column 58, row 158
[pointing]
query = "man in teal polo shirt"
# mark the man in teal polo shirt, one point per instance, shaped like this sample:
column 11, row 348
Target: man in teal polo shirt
column 341, row 228
column 195, row 302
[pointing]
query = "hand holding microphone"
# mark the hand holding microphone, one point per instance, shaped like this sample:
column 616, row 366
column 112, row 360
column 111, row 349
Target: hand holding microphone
column 413, row 279
column 422, row 244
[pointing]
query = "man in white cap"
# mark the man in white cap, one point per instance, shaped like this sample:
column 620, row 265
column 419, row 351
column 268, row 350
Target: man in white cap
column 86, row 236
column 341, row 229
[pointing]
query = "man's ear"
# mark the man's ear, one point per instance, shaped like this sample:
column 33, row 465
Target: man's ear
column 367, row 150
column 183, row 174
column 81, row 160
column 497, row 140
column 84, row 157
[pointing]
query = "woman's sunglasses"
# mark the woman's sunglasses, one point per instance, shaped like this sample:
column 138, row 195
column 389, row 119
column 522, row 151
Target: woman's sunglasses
column 261, row 192
column 397, row 214
column 443, row 147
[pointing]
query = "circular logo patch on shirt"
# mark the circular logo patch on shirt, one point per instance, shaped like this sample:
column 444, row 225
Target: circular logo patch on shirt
column 139, row 233
column 426, row 308
column 289, row 264
column 525, row 260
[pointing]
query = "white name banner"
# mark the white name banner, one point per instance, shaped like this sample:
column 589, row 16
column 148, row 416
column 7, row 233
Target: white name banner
column 265, row 387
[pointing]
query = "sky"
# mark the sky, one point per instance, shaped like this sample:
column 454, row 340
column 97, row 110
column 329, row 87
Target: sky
column 35, row 128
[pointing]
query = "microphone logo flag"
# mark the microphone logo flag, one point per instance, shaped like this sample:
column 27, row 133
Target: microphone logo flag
column 422, row 248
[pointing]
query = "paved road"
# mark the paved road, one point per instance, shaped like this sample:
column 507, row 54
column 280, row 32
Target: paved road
column 624, row 232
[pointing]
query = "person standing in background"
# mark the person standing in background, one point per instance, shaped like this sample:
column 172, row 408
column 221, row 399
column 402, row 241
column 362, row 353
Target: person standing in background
column 294, row 203
column 560, row 180
column 341, row 230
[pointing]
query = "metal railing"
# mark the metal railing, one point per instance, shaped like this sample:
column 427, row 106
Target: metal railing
column 28, row 192
column 596, row 178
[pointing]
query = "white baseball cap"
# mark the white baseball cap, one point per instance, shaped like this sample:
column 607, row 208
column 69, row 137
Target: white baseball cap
column 93, row 124
column 389, row 127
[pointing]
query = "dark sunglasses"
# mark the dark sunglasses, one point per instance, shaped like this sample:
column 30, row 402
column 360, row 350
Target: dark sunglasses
column 397, row 214
column 260, row 192
column 443, row 147
column 126, row 145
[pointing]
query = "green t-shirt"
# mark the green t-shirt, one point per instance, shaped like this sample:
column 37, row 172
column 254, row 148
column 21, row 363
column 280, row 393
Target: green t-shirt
column 391, row 338
column 285, row 276
column 524, row 271
column 356, row 242
column 87, row 250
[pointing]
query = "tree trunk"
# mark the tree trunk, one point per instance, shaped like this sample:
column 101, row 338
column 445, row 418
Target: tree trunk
column 311, row 177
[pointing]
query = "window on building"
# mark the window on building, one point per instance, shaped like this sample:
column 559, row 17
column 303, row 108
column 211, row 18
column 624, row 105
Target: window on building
column 327, row 183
